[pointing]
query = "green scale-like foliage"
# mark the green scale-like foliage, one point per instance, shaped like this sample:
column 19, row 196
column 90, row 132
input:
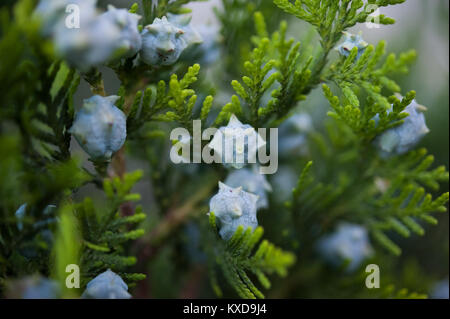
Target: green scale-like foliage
column 241, row 255
column 104, row 235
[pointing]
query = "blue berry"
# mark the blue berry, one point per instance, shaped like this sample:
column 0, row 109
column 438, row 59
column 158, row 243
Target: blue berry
column 348, row 244
column 235, row 143
column 164, row 40
column 98, row 41
column 233, row 207
column 107, row 285
column 130, row 38
column 100, row 127
column 183, row 21
column 351, row 41
column 251, row 181
column 402, row 138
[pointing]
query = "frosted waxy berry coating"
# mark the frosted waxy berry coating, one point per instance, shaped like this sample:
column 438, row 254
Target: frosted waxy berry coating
column 251, row 181
column 351, row 41
column 233, row 207
column 107, row 285
column 100, row 127
column 236, row 143
column 130, row 38
column 96, row 42
column 404, row 137
column 164, row 40
column 183, row 21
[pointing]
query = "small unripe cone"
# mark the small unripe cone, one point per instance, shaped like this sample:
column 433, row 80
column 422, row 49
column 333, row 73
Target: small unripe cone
column 107, row 285
column 233, row 207
column 349, row 243
column 100, row 127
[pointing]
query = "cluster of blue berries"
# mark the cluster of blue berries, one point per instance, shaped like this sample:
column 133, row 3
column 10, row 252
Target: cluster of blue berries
column 98, row 39
column 99, row 126
column 107, row 285
column 245, row 190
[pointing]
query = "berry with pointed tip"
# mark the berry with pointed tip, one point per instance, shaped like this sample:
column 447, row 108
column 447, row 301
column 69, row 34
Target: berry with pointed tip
column 348, row 244
column 164, row 40
column 107, row 285
column 236, row 143
column 162, row 43
column 233, row 207
column 402, row 138
column 183, row 21
column 351, row 41
column 100, row 127
column 251, row 181
column 130, row 38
